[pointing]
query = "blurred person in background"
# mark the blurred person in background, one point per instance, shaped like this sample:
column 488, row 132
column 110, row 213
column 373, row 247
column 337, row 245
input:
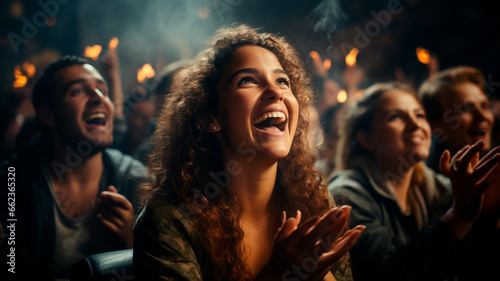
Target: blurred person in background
column 459, row 112
column 417, row 221
column 330, row 126
column 139, row 112
column 74, row 196
column 159, row 94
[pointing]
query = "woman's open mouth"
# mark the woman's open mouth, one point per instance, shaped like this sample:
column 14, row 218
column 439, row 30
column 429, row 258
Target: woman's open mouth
column 271, row 120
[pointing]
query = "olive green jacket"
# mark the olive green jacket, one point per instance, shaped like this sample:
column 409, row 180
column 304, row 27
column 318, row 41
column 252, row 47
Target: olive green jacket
column 167, row 246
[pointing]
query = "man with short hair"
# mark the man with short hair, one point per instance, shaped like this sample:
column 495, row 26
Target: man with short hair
column 457, row 109
column 74, row 195
column 459, row 113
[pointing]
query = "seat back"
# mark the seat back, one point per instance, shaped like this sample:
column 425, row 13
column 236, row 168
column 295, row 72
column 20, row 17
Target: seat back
column 108, row 266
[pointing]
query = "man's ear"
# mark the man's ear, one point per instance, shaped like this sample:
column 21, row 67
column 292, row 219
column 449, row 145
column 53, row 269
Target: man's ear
column 214, row 126
column 364, row 139
column 45, row 115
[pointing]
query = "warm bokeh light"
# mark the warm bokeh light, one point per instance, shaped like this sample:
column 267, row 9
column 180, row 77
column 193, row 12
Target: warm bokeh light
column 314, row 55
column 203, row 12
column 16, row 9
column 29, row 68
column 113, row 43
column 359, row 94
column 423, row 55
column 92, row 51
column 327, row 63
column 50, row 21
column 145, row 72
column 20, row 80
column 350, row 59
column 321, row 66
column 342, row 96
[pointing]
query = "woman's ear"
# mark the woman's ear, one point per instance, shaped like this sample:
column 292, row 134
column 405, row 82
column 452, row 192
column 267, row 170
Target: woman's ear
column 364, row 138
column 44, row 114
column 214, row 126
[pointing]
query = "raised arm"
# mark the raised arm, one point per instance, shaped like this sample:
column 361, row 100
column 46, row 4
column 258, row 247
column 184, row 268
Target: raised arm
column 469, row 176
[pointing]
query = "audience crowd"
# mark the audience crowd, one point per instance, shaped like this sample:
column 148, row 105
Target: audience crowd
column 399, row 181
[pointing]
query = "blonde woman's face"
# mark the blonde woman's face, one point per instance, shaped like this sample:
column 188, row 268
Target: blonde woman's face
column 400, row 129
column 258, row 112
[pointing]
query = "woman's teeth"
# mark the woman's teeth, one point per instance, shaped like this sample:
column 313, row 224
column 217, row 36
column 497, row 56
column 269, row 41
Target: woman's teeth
column 279, row 117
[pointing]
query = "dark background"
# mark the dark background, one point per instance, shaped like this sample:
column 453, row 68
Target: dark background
column 159, row 32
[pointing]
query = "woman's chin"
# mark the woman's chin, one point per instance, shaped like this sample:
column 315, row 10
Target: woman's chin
column 276, row 154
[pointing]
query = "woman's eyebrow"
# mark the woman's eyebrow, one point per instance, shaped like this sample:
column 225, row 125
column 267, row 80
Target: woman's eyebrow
column 253, row 71
column 244, row 70
column 396, row 110
column 280, row 71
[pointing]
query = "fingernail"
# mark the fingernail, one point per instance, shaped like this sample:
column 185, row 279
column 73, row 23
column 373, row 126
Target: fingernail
column 346, row 208
column 339, row 213
column 343, row 210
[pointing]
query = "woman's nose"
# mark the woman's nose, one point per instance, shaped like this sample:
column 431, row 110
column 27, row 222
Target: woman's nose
column 273, row 92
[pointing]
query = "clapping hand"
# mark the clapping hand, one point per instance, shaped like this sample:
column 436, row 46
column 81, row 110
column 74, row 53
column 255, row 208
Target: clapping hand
column 469, row 176
column 116, row 213
column 309, row 250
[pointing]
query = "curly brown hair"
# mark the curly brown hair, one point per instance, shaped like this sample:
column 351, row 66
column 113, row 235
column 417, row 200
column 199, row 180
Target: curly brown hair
column 186, row 154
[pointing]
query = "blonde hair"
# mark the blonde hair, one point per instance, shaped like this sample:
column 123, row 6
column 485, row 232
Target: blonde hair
column 358, row 116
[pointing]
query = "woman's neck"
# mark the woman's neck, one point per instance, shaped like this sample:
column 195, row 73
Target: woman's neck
column 253, row 184
column 400, row 179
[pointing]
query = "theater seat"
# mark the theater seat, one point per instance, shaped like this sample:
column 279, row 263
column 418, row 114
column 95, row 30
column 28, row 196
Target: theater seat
column 115, row 265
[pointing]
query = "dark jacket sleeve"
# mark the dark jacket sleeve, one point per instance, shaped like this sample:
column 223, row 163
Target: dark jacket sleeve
column 426, row 256
column 125, row 173
column 164, row 246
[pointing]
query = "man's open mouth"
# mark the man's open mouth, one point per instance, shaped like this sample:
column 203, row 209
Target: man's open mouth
column 480, row 132
column 271, row 119
column 98, row 119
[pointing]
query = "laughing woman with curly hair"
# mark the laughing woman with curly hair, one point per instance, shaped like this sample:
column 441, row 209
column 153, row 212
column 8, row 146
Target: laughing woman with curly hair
column 233, row 192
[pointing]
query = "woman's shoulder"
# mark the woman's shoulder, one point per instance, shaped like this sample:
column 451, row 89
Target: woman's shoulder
column 164, row 214
column 166, row 242
column 349, row 179
column 350, row 186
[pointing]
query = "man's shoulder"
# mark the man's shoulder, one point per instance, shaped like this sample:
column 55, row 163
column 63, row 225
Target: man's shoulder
column 123, row 170
column 121, row 160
